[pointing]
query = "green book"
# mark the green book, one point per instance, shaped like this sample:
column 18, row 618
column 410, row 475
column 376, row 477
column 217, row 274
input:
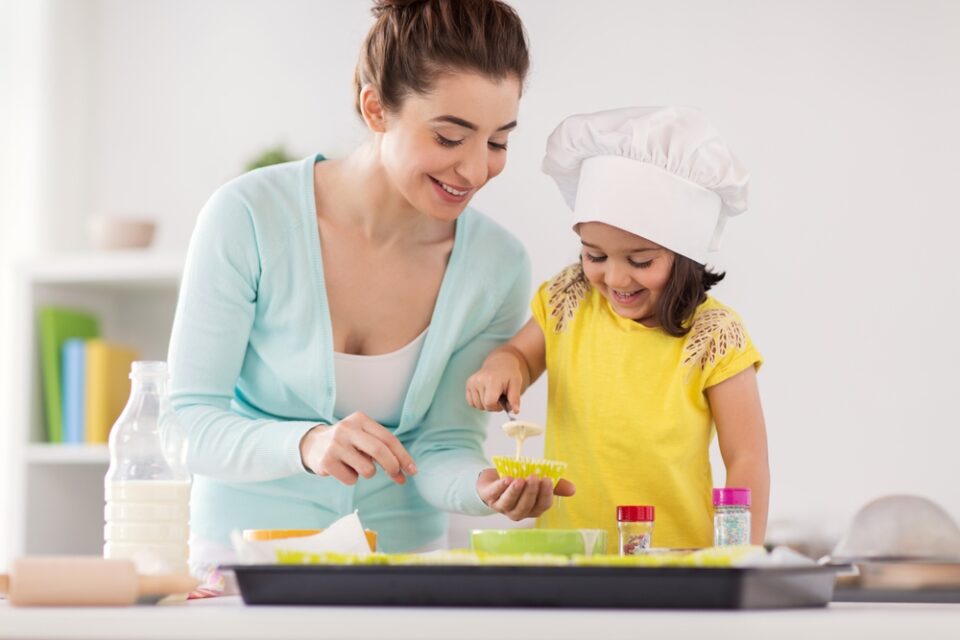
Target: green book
column 57, row 325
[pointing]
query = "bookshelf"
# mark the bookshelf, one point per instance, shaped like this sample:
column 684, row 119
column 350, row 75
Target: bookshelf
column 57, row 489
column 46, row 453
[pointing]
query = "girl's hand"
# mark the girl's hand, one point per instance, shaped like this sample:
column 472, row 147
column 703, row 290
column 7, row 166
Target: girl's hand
column 519, row 498
column 352, row 447
column 501, row 374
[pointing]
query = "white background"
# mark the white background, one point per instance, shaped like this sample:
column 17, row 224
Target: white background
column 845, row 112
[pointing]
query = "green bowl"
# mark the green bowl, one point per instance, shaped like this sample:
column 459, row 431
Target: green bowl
column 566, row 542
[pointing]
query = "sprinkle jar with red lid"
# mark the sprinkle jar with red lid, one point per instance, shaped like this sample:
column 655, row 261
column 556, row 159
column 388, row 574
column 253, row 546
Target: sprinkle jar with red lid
column 635, row 523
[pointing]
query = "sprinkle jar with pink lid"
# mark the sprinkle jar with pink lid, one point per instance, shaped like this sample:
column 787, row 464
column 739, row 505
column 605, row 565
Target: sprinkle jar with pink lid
column 731, row 516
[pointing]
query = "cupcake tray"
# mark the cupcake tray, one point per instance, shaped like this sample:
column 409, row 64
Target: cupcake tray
column 536, row 586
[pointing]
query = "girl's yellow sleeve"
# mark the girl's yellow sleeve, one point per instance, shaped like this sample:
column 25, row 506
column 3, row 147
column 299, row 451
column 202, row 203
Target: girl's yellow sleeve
column 538, row 307
column 735, row 350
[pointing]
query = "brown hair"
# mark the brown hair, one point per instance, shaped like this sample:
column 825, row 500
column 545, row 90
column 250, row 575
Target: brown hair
column 686, row 289
column 412, row 42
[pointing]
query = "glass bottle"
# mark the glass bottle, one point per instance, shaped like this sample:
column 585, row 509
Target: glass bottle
column 635, row 523
column 731, row 516
column 147, row 486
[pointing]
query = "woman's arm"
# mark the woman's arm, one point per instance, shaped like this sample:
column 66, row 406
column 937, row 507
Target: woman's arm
column 211, row 332
column 218, row 302
column 742, row 435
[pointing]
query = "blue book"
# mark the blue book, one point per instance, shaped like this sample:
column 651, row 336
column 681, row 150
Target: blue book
column 73, row 390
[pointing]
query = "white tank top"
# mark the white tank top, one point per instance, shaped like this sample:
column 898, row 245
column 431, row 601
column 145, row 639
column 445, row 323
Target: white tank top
column 376, row 385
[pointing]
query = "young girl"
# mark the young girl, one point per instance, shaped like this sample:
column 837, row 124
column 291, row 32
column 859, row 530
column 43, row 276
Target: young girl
column 641, row 361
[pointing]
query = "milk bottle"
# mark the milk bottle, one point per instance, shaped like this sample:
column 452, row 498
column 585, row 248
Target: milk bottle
column 147, row 485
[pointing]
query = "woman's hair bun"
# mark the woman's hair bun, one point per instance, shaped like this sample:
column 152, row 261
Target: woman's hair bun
column 413, row 42
column 382, row 6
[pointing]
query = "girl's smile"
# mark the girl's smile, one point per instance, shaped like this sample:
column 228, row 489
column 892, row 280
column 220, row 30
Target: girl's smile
column 628, row 270
column 627, row 298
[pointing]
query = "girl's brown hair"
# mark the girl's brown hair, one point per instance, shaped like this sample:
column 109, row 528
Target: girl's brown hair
column 686, row 289
column 413, row 42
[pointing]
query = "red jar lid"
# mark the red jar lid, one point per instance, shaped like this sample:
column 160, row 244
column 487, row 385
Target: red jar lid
column 634, row 513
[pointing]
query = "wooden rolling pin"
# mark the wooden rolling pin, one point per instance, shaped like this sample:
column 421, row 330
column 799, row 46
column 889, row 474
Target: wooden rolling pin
column 85, row 581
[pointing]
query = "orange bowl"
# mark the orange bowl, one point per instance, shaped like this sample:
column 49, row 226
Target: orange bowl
column 259, row 535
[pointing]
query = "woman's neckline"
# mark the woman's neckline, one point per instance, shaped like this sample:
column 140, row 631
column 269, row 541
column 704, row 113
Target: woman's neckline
column 384, row 356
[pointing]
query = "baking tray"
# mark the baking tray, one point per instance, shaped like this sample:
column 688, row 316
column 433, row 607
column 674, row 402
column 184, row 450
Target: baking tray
column 526, row 586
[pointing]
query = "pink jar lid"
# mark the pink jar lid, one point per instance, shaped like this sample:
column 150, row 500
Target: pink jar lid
column 731, row 496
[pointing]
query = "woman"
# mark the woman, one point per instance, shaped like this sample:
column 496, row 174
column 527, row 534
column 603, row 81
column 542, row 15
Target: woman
column 332, row 310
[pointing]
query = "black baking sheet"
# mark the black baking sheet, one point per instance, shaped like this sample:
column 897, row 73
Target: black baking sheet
column 526, row 586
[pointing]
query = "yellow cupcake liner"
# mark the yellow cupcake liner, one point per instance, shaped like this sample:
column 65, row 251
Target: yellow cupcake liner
column 716, row 557
column 526, row 467
column 435, row 558
column 708, row 557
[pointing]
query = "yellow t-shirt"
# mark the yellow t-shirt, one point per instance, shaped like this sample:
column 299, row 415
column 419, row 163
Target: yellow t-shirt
column 626, row 409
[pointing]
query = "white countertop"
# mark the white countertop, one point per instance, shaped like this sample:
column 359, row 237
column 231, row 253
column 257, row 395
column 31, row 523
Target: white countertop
column 228, row 618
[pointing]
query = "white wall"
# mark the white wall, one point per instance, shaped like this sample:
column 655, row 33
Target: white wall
column 22, row 35
column 189, row 91
column 844, row 111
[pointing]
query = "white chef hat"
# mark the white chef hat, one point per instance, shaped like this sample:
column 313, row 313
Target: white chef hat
column 662, row 173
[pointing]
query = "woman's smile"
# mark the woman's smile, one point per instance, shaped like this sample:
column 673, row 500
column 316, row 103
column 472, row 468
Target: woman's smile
column 450, row 193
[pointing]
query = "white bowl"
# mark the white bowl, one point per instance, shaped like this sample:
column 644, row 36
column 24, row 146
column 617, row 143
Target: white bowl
column 111, row 232
column 900, row 527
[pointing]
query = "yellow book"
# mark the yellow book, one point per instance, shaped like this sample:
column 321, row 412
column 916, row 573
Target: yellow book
column 108, row 386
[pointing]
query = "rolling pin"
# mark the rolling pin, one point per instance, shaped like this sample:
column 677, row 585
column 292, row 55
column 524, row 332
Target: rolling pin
column 76, row 581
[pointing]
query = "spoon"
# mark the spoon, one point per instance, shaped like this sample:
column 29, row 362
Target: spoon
column 506, row 408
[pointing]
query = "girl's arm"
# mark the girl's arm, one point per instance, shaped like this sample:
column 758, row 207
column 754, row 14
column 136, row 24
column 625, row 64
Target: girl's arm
column 742, row 434
column 509, row 370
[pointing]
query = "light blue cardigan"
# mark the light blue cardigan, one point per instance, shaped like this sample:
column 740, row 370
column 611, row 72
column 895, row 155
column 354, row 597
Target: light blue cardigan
column 251, row 358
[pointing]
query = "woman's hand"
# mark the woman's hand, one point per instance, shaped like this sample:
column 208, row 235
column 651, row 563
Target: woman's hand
column 501, row 374
column 352, row 447
column 518, row 498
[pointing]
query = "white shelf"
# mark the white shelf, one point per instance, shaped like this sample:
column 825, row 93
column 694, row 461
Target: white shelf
column 56, row 493
column 68, row 454
column 130, row 268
